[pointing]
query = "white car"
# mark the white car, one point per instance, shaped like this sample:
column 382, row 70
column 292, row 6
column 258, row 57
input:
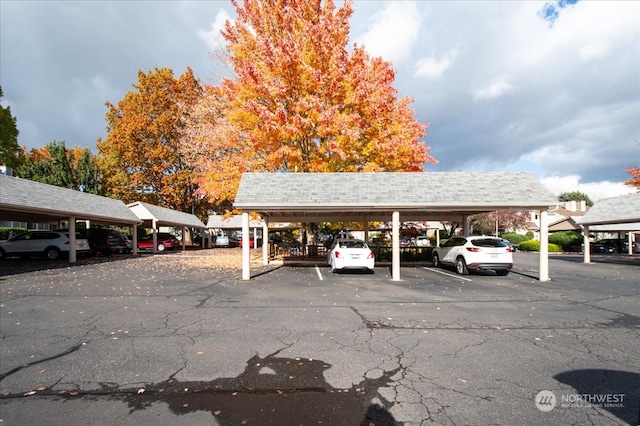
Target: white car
column 350, row 253
column 475, row 253
column 422, row 241
column 50, row 244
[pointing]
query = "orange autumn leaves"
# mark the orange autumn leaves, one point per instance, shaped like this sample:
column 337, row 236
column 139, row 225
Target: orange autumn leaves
column 300, row 100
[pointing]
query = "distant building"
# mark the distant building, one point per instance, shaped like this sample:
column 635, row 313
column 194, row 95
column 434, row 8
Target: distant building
column 6, row 170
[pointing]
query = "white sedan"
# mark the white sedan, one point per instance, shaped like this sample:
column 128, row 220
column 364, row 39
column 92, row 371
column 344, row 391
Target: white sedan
column 475, row 253
column 350, row 253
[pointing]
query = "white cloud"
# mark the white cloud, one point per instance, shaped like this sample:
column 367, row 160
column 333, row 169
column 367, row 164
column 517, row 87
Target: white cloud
column 494, row 90
column 595, row 190
column 212, row 38
column 433, row 67
column 392, row 31
column 593, row 51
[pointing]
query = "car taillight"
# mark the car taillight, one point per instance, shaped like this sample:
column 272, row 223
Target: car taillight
column 473, row 249
column 371, row 255
column 337, row 253
column 509, row 250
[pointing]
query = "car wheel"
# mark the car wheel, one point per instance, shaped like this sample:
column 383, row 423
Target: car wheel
column 2, row 254
column 503, row 272
column 52, row 253
column 461, row 266
column 436, row 260
column 161, row 247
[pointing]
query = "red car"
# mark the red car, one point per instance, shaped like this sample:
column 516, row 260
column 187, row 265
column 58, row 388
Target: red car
column 165, row 240
column 251, row 245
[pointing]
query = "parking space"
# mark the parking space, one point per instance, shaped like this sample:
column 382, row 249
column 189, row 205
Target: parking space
column 150, row 336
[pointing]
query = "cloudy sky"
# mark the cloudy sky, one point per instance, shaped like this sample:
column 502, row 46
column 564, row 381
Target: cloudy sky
column 550, row 88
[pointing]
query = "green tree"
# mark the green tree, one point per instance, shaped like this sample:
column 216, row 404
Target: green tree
column 55, row 164
column 9, row 149
column 575, row 196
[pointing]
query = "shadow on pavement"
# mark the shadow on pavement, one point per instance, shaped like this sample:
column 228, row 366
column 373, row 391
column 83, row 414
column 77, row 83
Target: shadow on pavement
column 278, row 391
column 613, row 390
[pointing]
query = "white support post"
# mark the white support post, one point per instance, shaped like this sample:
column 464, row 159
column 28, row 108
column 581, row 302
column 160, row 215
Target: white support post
column 246, row 253
column 72, row 240
column 544, row 245
column 255, row 238
column 395, row 246
column 184, row 238
column 265, row 242
column 630, row 243
column 586, row 250
column 465, row 225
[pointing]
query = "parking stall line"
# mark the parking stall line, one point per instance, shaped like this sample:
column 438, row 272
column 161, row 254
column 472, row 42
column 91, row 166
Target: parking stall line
column 447, row 274
column 319, row 273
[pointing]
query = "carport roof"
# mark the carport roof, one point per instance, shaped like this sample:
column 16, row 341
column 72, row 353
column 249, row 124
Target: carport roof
column 615, row 210
column 29, row 201
column 164, row 216
column 349, row 196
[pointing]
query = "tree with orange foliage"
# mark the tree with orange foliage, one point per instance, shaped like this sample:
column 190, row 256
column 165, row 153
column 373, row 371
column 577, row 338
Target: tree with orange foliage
column 216, row 150
column 300, row 101
column 141, row 160
column 635, row 177
column 306, row 103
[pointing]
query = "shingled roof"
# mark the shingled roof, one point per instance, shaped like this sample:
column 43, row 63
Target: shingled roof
column 28, row 201
column 164, row 216
column 615, row 210
column 433, row 195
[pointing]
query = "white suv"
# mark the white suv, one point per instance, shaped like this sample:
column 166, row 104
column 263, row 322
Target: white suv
column 50, row 244
column 475, row 253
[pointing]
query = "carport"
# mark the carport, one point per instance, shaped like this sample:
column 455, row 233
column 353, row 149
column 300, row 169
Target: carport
column 28, row 201
column 233, row 223
column 611, row 214
column 367, row 197
column 155, row 216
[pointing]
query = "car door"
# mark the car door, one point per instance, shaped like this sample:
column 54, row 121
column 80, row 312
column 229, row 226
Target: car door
column 22, row 243
column 451, row 248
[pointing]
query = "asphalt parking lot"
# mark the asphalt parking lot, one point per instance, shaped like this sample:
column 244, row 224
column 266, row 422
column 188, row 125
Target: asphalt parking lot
column 177, row 339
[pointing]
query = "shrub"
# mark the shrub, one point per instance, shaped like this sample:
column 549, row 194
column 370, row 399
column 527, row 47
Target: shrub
column 514, row 237
column 5, row 232
column 534, row 245
column 566, row 239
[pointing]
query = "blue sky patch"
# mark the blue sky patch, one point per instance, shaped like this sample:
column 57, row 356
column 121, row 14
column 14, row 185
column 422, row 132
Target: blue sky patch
column 551, row 11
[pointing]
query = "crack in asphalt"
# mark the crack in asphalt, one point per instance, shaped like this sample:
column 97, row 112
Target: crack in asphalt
column 32, row 363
